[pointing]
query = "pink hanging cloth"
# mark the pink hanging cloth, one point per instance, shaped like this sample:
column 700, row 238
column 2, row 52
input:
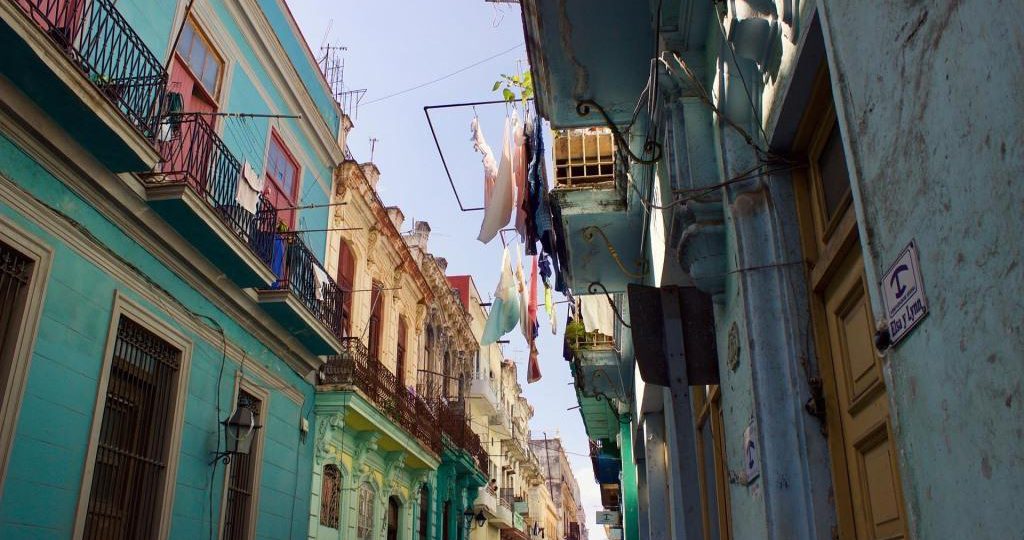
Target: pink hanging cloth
column 498, row 206
column 533, row 368
column 519, row 172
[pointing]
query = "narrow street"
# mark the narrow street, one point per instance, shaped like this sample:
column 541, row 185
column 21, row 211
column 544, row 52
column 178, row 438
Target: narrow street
column 511, row 270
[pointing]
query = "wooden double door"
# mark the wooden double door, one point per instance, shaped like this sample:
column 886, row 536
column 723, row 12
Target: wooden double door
column 865, row 472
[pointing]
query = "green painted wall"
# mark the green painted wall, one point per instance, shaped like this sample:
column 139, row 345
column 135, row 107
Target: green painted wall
column 46, row 464
column 631, row 512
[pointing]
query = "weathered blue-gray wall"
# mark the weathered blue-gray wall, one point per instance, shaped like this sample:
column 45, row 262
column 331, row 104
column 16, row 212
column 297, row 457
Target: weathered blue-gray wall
column 930, row 95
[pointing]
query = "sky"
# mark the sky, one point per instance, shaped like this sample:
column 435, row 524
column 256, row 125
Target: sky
column 398, row 45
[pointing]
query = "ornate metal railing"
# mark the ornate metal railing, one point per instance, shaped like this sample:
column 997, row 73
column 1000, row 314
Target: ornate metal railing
column 192, row 153
column 355, row 368
column 303, row 274
column 506, row 496
column 455, row 426
column 98, row 39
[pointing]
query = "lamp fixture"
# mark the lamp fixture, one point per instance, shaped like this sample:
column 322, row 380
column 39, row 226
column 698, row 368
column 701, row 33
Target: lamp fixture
column 239, row 431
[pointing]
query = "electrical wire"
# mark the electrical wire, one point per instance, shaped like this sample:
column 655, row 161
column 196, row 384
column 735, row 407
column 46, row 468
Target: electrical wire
column 439, row 79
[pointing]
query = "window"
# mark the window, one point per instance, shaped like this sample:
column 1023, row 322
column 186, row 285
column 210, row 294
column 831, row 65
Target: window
column 133, row 446
column 346, row 279
column 15, row 273
column 198, row 55
column 832, row 173
column 424, row 511
column 330, row 496
column 376, row 318
column 241, row 479
column 364, row 528
column 283, row 172
column 393, row 510
column 446, row 371
column 711, row 468
column 400, row 355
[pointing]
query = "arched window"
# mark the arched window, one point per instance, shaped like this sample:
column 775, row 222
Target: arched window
column 364, row 527
column 376, row 319
column 330, row 494
column 393, row 510
column 346, row 279
column 447, row 372
column 400, row 356
column 424, row 511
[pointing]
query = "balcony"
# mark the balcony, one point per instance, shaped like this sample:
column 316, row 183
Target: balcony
column 353, row 369
column 451, row 417
column 307, row 307
column 86, row 68
column 521, row 506
column 194, row 189
column 500, row 423
column 485, row 392
column 606, row 466
column 591, row 193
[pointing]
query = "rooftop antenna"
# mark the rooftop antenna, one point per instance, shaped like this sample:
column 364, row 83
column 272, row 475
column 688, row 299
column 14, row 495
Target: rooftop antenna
column 373, row 146
column 333, row 67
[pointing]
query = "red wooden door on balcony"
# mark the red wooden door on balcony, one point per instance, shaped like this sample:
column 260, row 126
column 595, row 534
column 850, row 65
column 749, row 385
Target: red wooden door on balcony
column 195, row 76
column 61, row 19
column 346, row 277
column 376, row 315
column 282, row 180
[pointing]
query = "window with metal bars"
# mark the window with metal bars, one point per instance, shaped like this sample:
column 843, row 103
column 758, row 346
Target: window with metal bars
column 424, row 511
column 241, row 480
column 330, row 495
column 364, row 527
column 15, row 272
column 129, row 472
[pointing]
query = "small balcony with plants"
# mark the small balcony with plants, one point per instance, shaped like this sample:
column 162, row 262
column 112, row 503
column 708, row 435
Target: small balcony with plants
column 84, row 66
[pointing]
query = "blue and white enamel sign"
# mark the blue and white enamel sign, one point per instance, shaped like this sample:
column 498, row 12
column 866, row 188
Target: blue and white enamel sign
column 903, row 294
column 751, row 456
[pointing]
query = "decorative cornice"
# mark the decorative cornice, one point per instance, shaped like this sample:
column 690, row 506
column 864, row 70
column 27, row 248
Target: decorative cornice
column 365, row 442
column 326, row 427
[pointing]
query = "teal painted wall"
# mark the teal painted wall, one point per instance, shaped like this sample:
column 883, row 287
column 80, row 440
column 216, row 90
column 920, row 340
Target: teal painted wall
column 47, row 460
column 630, row 508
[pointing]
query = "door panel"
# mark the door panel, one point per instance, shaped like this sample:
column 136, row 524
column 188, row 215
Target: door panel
column 863, row 405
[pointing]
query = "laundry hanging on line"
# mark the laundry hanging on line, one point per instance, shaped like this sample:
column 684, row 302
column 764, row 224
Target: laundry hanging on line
column 250, row 186
column 504, row 313
column 498, row 203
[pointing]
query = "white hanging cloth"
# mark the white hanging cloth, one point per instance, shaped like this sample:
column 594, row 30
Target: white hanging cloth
column 597, row 314
column 250, row 185
column 498, row 206
column 320, row 280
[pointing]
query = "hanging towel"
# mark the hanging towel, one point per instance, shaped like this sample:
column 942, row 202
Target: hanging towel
column 519, row 160
column 533, row 368
column 504, row 312
column 490, row 164
column 250, row 185
column 549, row 308
column 320, row 280
column 498, row 209
column 532, row 309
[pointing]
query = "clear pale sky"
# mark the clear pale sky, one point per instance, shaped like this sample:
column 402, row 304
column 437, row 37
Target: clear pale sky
column 394, row 45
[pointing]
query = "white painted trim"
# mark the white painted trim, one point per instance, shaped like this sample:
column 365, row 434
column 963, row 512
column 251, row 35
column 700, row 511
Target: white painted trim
column 123, row 306
column 252, row 387
column 24, row 336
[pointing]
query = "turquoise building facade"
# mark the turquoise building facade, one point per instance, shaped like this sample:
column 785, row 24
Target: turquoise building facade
column 785, row 173
column 147, row 296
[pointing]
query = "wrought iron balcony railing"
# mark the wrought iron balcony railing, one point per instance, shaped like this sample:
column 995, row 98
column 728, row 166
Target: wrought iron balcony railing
column 355, row 368
column 98, row 39
column 506, row 496
column 193, row 154
column 298, row 273
column 455, row 426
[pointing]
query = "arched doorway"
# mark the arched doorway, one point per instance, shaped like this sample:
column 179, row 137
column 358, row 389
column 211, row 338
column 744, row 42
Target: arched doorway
column 424, row 512
column 393, row 507
column 446, row 528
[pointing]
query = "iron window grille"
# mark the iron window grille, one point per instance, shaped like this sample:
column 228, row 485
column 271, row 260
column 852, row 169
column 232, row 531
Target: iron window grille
column 241, row 481
column 330, row 495
column 584, row 157
column 364, row 527
column 15, row 272
column 131, row 457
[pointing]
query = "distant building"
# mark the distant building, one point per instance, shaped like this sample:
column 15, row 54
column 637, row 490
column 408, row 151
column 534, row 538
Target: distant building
column 564, row 489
